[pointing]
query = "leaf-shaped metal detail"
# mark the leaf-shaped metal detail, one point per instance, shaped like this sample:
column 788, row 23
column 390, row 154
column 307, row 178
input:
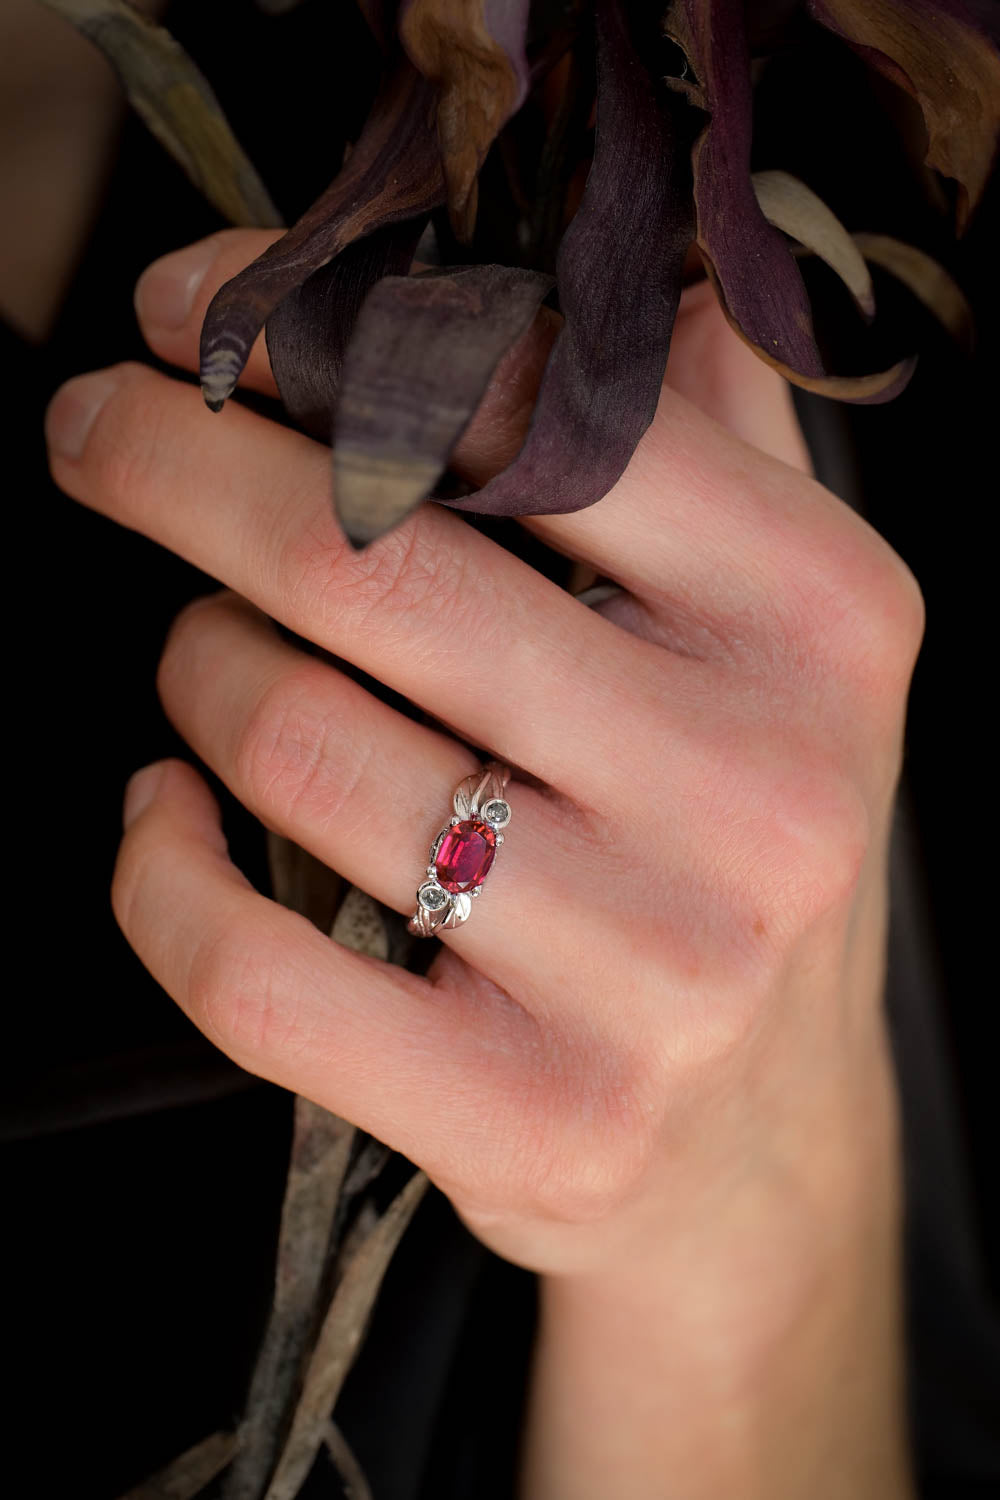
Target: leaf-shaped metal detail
column 791, row 206
column 748, row 260
column 392, row 174
column 458, row 912
column 482, row 786
column 340, row 1338
column 423, row 350
column 473, row 51
column 619, row 276
column 942, row 53
column 177, row 103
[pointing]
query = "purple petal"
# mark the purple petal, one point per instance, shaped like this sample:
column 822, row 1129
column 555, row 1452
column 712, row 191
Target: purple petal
column 619, row 276
column 750, row 262
column 422, row 354
column 309, row 330
column 944, row 53
column 392, row 174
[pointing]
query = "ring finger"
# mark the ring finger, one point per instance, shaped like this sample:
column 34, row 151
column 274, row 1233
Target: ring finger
column 365, row 789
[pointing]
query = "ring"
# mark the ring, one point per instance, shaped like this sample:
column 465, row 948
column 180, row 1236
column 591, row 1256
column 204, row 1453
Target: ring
column 463, row 852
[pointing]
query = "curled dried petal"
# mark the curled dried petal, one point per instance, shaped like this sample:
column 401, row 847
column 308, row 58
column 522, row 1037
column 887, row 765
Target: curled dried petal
column 748, row 260
column 791, row 206
column 392, row 174
column 926, row 279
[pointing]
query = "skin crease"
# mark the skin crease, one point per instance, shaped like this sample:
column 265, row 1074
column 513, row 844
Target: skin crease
column 671, row 1096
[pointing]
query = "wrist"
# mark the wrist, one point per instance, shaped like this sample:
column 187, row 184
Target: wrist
column 756, row 1352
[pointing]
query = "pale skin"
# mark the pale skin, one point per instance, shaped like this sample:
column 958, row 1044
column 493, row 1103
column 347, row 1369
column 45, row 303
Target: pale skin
column 652, row 1066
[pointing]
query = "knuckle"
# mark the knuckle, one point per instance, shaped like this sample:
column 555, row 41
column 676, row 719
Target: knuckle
column 296, row 757
column 808, row 864
column 773, row 837
column 863, row 613
column 409, row 577
column 598, row 1138
column 589, row 1184
column 237, row 994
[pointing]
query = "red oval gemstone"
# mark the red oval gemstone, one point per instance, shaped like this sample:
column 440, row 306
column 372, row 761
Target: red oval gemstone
column 465, row 855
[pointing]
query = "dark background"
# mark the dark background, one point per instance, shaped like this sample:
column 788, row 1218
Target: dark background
column 142, row 1172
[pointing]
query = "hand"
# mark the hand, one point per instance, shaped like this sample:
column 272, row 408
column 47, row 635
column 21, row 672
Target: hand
column 659, row 1033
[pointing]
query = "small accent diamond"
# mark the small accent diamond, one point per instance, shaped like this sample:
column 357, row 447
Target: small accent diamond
column 497, row 812
column 432, row 897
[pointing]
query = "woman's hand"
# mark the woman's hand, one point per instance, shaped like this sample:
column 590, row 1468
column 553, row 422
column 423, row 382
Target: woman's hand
column 655, row 1052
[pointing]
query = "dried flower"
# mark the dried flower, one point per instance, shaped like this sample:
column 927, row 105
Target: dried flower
column 652, row 107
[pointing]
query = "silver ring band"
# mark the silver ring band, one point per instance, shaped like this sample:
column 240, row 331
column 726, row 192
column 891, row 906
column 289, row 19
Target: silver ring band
column 464, row 850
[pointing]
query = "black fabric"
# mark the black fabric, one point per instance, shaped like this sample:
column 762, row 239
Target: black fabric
column 142, row 1173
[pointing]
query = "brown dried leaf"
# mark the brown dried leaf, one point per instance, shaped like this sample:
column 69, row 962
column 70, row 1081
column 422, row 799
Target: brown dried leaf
column 321, row 1148
column 178, row 105
column 941, row 54
column 189, row 1473
column 795, row 209
column 302, row 882
column 392, row 174
column 340, row 1338
column 473, row 51
column 352, row 1476
column 359, row 924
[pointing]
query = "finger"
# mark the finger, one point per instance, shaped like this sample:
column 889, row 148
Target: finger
column 366, row 790
column 708, row 364
column 172, row 296
column 446, row 1074
column 173, row 293
column 435, row 609
column 705, row 531
column 713, row 368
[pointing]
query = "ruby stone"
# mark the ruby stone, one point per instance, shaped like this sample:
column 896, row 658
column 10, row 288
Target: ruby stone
column 465, row 855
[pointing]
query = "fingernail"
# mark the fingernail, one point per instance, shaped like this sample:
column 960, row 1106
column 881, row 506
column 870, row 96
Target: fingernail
column 140, row 791
column 165, row 292
column 73, row 411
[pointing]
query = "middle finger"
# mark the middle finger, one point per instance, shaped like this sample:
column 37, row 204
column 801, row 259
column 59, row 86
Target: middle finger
column 434, row 609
